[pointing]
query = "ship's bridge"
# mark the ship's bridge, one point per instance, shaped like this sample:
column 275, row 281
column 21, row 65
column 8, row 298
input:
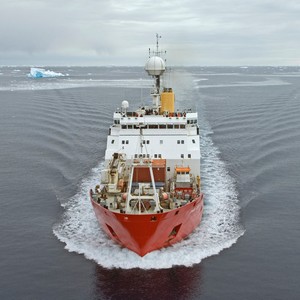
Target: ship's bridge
column 133, row 120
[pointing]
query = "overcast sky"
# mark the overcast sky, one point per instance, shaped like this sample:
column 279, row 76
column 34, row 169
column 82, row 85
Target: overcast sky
column 119, row 32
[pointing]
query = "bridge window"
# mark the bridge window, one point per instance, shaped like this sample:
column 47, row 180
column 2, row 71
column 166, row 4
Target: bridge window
column 153, row 126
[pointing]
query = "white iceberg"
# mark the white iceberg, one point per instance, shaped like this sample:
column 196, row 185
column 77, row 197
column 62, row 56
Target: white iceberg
column 42, row 73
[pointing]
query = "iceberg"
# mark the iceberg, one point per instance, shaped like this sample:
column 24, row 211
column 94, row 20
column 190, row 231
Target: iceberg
column 42, row 73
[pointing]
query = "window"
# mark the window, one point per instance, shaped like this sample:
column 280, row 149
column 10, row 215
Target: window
column 124, row 126
column 111, row 231
column 112, row 141
column 148, row 141
column 127, row 142
column 182, row 155
column 170, row 126
column 159, row 155
column 178, row 141
column 168, row 169
column 155, row 155
column 123, row 142
column 182, row 141
column 162, row 126
column 161, row 141
column 193, row 141
column 175, row 230
column 182, row 126
column 189, row 155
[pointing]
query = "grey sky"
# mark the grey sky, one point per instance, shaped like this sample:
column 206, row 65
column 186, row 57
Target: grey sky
column 119, row 32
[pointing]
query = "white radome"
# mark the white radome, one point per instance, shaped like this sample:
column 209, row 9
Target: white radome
column 125, row 104
column 155, row 66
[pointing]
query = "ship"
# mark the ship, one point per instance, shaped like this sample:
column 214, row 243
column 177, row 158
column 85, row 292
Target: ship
column 149, row 195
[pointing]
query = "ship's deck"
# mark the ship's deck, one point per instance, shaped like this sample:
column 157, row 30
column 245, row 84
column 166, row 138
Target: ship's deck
column 116, row 203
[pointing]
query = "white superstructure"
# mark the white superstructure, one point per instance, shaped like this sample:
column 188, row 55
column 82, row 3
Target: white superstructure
column 157, row 131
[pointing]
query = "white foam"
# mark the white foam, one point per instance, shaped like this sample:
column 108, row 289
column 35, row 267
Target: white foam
column 218, row 230
column 200, row 79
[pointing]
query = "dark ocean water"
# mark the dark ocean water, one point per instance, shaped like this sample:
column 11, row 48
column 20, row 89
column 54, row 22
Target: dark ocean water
column 53, row 137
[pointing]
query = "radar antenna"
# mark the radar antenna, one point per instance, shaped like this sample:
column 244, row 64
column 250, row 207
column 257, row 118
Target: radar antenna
column 157, row 37
column 155, row 67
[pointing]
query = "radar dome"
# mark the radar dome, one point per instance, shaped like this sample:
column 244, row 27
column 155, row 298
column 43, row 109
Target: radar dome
column 155, row 66
column 125, row 104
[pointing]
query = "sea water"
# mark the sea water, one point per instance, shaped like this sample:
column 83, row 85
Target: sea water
column 53, row 138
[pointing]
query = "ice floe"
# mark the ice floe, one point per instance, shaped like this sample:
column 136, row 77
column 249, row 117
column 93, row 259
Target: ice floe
column 42, row 73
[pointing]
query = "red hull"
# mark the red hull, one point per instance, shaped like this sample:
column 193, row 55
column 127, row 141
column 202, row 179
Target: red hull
column 143, row 233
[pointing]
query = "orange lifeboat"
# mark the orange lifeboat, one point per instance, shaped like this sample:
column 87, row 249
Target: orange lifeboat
column 182, row 169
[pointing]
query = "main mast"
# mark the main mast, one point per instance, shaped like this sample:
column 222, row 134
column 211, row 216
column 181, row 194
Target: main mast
column 162, row 101
column 155, row 67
